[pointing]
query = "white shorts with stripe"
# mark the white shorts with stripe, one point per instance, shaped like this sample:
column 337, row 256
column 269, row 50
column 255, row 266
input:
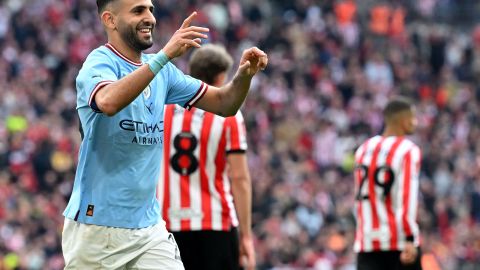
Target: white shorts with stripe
column 88, row 246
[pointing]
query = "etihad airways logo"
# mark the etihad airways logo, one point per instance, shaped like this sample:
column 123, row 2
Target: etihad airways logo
column 139, row 126
column 143, row 133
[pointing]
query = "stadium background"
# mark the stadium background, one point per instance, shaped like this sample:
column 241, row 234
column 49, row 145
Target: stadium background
column 333, row 64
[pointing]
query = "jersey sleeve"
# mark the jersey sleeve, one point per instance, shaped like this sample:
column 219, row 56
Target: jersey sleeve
column 97, row 72
column 183, row 89
column 235, row 134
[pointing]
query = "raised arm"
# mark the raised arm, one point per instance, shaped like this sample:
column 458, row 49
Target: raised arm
column 226, row 100
column 115, row 96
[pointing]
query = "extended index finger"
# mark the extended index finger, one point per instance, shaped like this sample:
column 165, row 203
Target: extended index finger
column 186, row 23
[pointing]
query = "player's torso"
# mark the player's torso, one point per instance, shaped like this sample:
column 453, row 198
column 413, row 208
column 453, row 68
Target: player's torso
column 134, row 136
column 199, row 133
column 378, row 162
column 379, row 185
column 194, row 166
column 141, row 122
column 121, row 155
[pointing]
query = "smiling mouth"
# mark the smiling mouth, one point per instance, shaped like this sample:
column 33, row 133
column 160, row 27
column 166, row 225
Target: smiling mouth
column 145, row 30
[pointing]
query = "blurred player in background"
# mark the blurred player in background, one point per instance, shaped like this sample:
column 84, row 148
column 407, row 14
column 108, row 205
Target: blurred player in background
column 112, row 220
column 205, row 164
column 386, row 184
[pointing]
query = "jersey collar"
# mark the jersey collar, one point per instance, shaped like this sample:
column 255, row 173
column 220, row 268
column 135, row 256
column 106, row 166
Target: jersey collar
column 115, row 51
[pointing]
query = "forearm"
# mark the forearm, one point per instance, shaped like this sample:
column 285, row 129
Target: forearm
column 226, row 100
column 242, row 194
column 117, row 95
column 233, row 94
column 114, row 97
column 236, row 91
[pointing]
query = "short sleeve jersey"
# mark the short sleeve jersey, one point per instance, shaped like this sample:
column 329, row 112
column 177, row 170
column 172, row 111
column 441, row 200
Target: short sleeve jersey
column 119, row 157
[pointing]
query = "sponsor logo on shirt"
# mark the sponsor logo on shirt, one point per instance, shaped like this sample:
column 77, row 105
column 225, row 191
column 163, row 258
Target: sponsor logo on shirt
column 147, row 140
column 143, row 133
column 139, row 126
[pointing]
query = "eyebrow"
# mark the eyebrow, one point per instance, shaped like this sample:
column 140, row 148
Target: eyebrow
column 142, row 7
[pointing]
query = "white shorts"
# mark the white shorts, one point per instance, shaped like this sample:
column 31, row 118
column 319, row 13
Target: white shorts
column 99, row 247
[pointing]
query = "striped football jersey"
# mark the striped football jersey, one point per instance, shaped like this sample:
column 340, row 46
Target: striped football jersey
column 194, row 191
column 386, row 189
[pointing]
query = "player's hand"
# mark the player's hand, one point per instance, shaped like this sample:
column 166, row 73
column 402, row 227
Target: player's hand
column 185, row 38
column 252, row 61
column 409, row 254
column 247, row 253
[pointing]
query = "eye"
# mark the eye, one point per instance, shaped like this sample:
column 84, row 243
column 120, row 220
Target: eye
column 137, row 10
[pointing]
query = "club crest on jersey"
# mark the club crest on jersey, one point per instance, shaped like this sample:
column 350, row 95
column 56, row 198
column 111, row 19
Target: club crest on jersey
column 147, row 92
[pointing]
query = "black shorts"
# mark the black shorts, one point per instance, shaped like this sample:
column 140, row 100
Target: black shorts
column 384, row 260
column 212, row 250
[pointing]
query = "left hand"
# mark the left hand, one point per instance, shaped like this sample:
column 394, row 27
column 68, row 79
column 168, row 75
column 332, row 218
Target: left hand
column 247, row 253
column 252, row 61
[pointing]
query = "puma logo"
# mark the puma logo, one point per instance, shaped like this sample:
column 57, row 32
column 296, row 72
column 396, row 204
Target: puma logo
column 150, row 107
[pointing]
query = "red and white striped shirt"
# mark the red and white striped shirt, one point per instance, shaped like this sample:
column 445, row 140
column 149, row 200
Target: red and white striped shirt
column 194, row 191
column 386, row 189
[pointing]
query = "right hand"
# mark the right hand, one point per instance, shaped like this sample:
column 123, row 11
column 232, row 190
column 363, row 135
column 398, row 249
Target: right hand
column 247, row 252
column 409, row 254
column 185, row 38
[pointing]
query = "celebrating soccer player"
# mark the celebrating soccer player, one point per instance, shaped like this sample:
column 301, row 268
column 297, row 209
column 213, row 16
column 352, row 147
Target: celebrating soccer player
column 386, row 184
column 112, row 218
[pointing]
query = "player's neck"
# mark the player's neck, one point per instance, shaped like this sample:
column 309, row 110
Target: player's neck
column 393, row 131
column 125, row 50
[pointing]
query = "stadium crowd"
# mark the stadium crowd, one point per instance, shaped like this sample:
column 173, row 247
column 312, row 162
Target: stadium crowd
column 333, row 65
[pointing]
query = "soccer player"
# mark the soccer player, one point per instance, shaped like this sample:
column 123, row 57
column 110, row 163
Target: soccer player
column 195, row 193
column 386, row 184
column 112, row 220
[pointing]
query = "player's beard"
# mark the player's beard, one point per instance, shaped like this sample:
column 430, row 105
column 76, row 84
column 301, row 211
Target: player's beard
column 131, row 36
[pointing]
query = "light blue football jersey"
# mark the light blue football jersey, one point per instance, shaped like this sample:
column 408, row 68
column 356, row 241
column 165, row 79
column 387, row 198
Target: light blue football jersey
column 120, row 156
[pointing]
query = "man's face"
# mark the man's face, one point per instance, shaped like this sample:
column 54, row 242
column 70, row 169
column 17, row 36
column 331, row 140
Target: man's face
column 135, row 23
column 409, row 121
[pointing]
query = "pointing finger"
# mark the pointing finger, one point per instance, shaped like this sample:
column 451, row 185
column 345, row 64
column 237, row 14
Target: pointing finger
column 186, row 23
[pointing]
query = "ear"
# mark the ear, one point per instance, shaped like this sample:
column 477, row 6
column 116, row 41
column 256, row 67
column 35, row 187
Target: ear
column 108, row 20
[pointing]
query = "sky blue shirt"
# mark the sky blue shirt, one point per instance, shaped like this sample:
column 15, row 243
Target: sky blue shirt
column 120, row 156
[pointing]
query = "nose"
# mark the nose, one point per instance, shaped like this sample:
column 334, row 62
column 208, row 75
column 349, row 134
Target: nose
column 150, row 18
